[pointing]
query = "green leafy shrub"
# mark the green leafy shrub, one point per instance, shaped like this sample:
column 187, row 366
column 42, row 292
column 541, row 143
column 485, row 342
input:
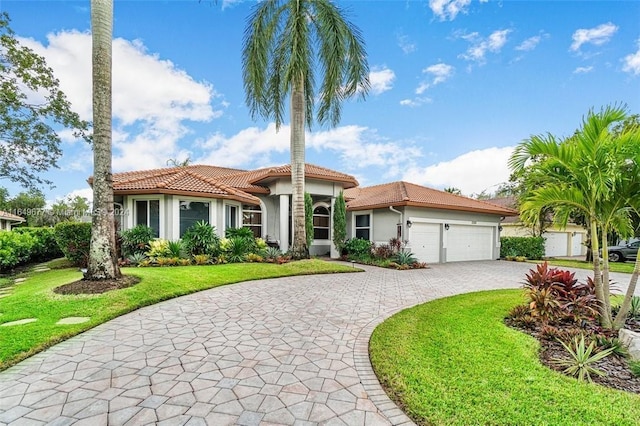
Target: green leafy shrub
column 201, row 238
column 15, row 249
column 237, row 249
column 238, row 232
column 136, row 259
column 634, row 310
column 158, row 248
column 635, row 368
column 358, row 248
column 136, row 240
column 176, row 249
column 44, row 245
column 529, row 247
column 74, row 238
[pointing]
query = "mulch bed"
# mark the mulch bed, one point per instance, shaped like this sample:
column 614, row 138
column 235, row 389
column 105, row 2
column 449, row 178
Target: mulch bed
column 618, row 374
column 96, row 287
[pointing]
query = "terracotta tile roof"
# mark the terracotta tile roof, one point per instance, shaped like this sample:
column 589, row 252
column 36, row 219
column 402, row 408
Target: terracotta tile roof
column 190, row 180
column 9, row 216
column 509, row 202
column 311, row 171
column 409, row 194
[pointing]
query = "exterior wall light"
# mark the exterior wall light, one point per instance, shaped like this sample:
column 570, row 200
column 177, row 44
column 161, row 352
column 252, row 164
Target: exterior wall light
column 446, row 226
column 409, row 223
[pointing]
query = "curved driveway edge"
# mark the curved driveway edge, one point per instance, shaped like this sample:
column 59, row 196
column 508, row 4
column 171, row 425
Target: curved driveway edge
column 289, row 351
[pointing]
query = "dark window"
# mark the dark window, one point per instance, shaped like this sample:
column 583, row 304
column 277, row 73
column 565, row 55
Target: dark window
column 230, row 217
column 148, row 213
column 363, row 226
column 252, row 219
column 192, row 212
column 321, row 223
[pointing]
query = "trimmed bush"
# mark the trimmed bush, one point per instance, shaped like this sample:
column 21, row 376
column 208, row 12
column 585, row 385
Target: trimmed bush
column 44, row 244
column 358, row 248
column 136, row 240
column 529, row 247
column 74, row 238
column 15, row 249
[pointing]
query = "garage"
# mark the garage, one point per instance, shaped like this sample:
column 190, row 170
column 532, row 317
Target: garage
column 424, row 239
column 555, row 244
column 469, row 242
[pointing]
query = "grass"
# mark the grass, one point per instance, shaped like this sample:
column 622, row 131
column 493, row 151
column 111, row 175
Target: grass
column 453, row 362
column 35, row 298
column 624, row 267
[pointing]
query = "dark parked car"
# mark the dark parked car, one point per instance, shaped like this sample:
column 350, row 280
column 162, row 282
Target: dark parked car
column 624, row 252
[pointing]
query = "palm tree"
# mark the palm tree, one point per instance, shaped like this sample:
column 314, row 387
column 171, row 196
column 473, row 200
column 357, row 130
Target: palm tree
column 283, row 41
column 588, row 172
column 103, row 259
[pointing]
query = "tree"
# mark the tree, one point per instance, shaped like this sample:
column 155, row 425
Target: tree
column 339, row 222
column 29, row 205
column 453, row 190
column 308, row 218
column 30, row 103
column 284, row 39
column 596, row 172
column 103, row 257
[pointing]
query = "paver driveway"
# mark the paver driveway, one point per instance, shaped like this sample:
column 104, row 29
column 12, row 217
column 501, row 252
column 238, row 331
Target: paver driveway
column 281, row 351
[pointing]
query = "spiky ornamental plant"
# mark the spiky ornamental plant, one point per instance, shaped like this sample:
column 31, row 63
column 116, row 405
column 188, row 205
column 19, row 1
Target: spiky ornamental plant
column 286, row 43
column 580, row 363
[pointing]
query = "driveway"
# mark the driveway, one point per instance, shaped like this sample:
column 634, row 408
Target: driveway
column 281, row 351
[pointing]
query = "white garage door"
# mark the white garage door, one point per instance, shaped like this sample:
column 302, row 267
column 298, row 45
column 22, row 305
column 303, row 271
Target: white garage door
column 555, row 244
column 424, row 239
column 468, row 242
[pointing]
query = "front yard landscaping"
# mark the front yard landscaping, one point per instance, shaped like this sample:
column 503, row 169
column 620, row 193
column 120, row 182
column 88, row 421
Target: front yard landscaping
column 34, row 298
column 454, row 361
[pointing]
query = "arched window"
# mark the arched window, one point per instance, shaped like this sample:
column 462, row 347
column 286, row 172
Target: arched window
column 321, row 223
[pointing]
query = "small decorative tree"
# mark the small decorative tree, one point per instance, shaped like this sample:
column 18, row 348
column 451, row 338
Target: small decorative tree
column 339, row 223
column 308, row 218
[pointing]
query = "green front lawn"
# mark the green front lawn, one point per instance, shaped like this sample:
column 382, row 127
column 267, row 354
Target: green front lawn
column 34, row 298
column 453, row 362
column 624, row 267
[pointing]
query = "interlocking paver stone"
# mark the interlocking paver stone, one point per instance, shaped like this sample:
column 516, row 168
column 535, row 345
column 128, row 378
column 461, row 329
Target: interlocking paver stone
column 284, row 351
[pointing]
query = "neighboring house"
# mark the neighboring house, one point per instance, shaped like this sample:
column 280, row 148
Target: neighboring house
column 8, row 220
column 558, row 242
column 439, row 226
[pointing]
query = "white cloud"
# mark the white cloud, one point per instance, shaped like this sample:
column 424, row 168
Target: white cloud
column 381, row 79
column 152, row 98
column 597, row 36
column 254, row 147
column 473, row 172
column 406, row 44
column 245, row 147
column 583, row 70
column 631, row 62
column 448, row 9
column 416, row 102
column 481, row 46
column 438, row 73
column 529, row 44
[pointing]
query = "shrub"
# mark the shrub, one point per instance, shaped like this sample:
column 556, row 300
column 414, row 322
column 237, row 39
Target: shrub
column 237, row 248
column 339, row 222
column 383, row 251
column 136, row 258
column 634, row 310
column 358, row 248
column 201, row 259
column 159, row 248
column 176, row 249
column 136, row 240
column 238, row 232
column 529, row 247
column 74, row 238
column 635, row 368
column 44, row 244
column 15, row 249
column 201, row 238
column 272, row 253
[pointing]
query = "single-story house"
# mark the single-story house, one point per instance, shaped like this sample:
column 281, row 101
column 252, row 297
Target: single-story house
column 9, row 220
column 438, row 226
column 558, row 242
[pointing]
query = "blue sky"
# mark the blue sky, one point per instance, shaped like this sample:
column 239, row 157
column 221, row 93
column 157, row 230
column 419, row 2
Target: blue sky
column 456, row 84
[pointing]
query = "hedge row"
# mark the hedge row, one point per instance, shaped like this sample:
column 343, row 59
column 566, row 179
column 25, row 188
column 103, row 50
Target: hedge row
column 23, row 245
column 529, row 247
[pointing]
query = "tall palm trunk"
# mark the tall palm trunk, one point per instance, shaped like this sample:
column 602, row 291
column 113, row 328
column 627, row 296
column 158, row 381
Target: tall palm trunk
column 102, row 252
column 299, row 249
